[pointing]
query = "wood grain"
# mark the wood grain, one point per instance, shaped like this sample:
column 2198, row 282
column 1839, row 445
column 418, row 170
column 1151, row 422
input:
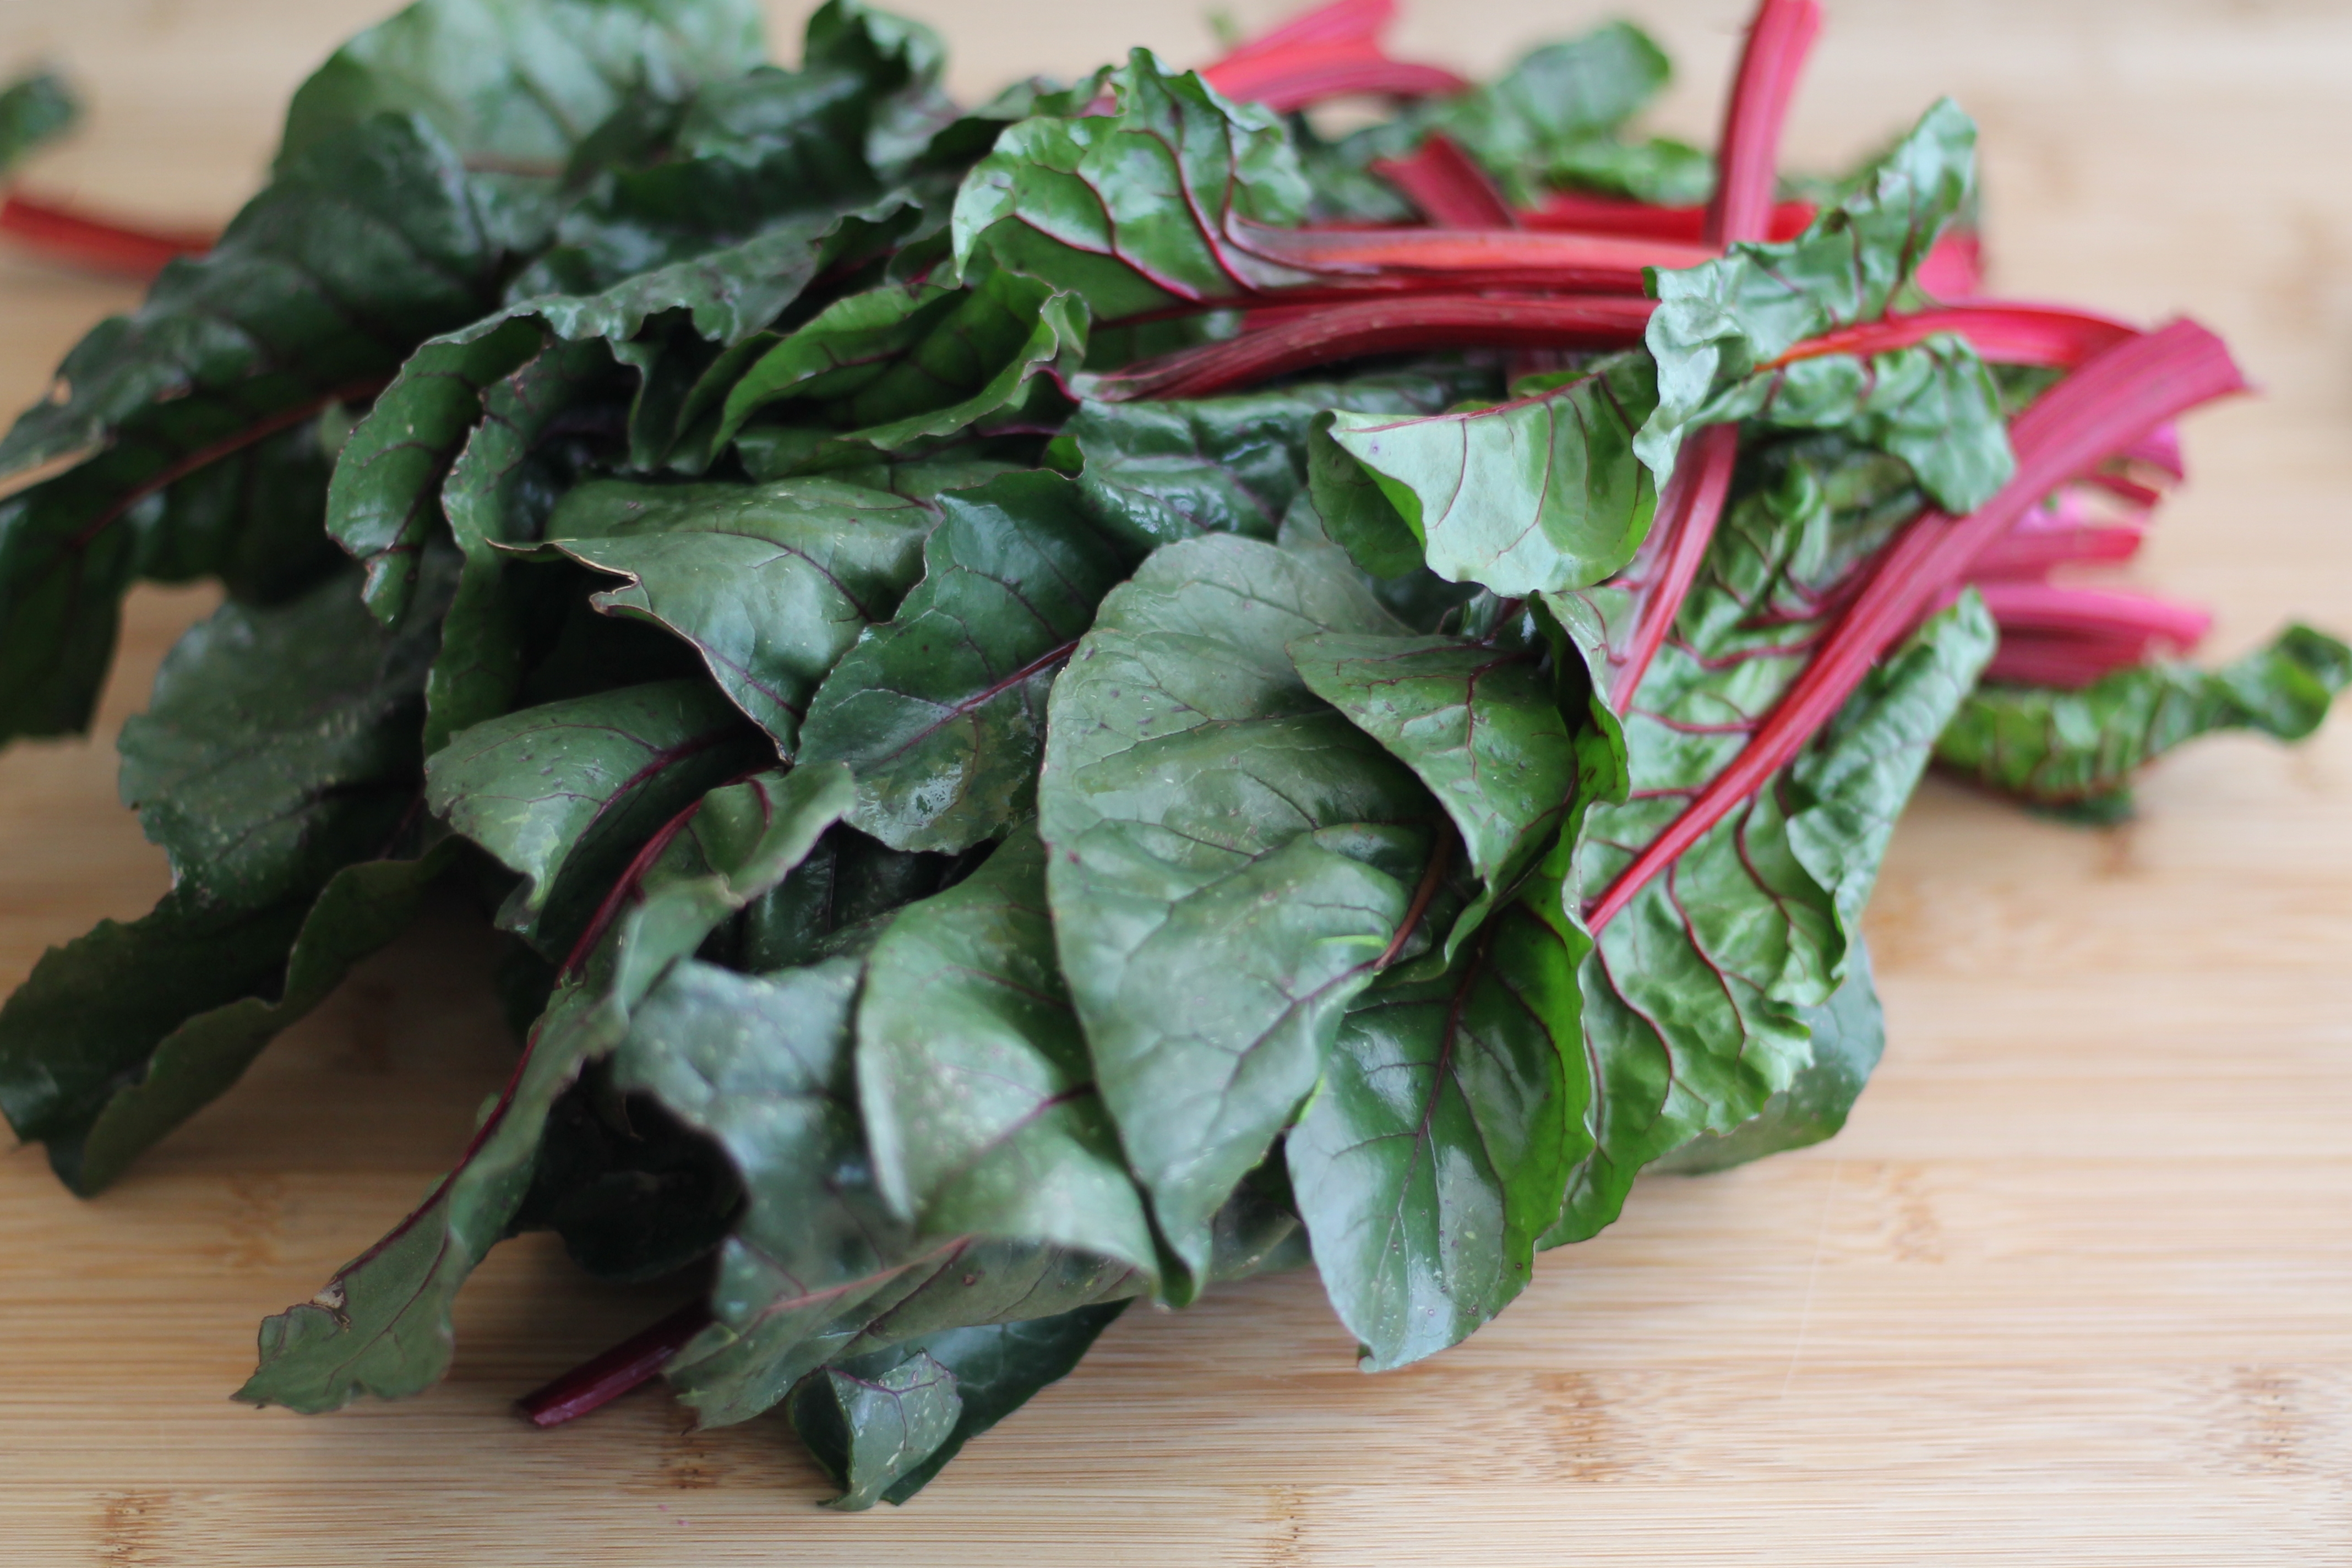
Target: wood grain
column 2075, row 1287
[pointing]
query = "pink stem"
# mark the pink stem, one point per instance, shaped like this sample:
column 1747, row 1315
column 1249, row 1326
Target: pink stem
column 604, row 1378
column 1686, row 522
column 1468, row 257
column 1576, row 212
column 1742, row 209
column 1341, row 22
column 2007, row 334
column 2046, row 608
column 2032, row 553
column 2111, row 401
column 95, row 243
column 1329, row 333
column 1953, row 268
column 1448, row 187
column 2069, row 662
column 1283, row 84
column 1748, row 156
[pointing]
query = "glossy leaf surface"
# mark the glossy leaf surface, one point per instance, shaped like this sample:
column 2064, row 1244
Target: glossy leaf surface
column 1134, row 210
column 979, row 1097
column 941, row 711
column 1228, row 858
column 770, row 583
column 592, row 777
column 1540, row 494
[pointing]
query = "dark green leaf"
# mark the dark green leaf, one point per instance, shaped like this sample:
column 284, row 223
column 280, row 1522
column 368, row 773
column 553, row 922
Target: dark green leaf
column 771, row 584
column 1477, row 723
column 869, row 1428
column 636, row 1194
column 279, row 745
column 384, row 497
column 1716, row 324
column 499, row 490
column 1438, row 1146
column 995, row 1371
column 1137, row 209
column 847, row 880
column 361, row 247
column 729, row 1375
column 253, row 520
column 941, row 711
column 577, row 786
column 763, row 1066
column 361, row 907
column 522, row 82
column 1540, row 494
column 1229, row 857
column 1153, row 472
column 34, row 110
column 2072, row 748
column 980, row 1101
column 1849, row 1032
column 687, row 197
column 382, row 1325
column 900, row 365
column 278, row 765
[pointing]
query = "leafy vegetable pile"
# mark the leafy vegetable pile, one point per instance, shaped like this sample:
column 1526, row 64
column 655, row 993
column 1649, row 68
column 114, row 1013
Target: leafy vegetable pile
column 1060, row 700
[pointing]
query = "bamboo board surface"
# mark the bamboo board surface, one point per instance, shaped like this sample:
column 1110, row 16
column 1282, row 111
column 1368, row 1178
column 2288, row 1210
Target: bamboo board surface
column 2074, row 1286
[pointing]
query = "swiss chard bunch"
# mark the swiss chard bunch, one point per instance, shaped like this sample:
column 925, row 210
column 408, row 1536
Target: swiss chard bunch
column 1063, row 701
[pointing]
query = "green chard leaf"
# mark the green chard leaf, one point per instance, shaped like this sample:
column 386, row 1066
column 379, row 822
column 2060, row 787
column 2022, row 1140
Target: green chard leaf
column 1554, row 103
column 1694, row 995
column 763, row 1065
column 901, row 364
column 360, row 246
column 279, row 766
column 680, row 190
column 381, row 1326
column 1153, row 472
column 634, row 1193
column 1849, row 1034
column 386, row 499
column 2078, row 750
column 36, row 110
column 1476, row 722
column 1140, row 208
column 879, row 1444
column 499, row 490
column 941, row 712
column 771, row 584
column 1229, row 858
column 1936, row 407
column 729, row 1375
column 1438, row 1147
column 564, row 793
column 383, row 498
column 870, row 1426
column 1540, row 494
column 524, row 82
column 1658, row 170
column 1721, row 328
column 979, row 1097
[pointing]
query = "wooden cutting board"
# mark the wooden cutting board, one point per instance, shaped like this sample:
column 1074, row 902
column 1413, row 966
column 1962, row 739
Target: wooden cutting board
column 2075, row 1286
